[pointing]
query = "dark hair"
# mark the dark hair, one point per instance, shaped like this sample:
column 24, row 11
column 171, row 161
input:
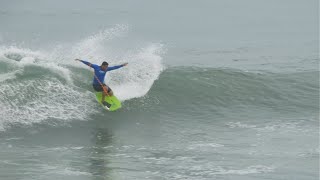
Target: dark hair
column 104, row 63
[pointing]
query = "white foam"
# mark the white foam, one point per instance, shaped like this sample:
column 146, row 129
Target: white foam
column 136, row 79
column 27, row 60
column 204, row 146
column 280, row 126
column 73, row 172
column 94, row 48
column 50, row 169
column 209, row 169
column 240, row 125
column 11, row 75
column 39, row 99
column 21, row 57
column 17, row 53
column 249, row 170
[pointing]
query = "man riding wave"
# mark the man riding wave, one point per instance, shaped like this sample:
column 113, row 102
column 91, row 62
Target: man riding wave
column 99, row 75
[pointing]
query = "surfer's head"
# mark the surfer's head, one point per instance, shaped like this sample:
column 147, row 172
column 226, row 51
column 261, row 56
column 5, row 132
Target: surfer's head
column 104, row 65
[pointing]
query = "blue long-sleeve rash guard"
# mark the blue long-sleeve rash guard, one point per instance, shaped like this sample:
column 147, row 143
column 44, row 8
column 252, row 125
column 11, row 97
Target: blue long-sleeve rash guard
column 99, row 73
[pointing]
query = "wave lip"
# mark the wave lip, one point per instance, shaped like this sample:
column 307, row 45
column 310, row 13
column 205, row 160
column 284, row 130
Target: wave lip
column 136, row 79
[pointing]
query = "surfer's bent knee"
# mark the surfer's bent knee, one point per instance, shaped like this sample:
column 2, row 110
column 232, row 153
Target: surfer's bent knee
column 110, row 93
column 99, row 88
column 109, row 90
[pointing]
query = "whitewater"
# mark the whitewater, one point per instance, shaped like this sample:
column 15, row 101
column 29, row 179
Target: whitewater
column 212, row 90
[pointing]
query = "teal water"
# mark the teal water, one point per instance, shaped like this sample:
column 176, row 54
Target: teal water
column 213, row 90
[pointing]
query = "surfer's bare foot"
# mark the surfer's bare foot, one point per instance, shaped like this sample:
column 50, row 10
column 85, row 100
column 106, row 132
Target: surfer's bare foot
column 106, row 104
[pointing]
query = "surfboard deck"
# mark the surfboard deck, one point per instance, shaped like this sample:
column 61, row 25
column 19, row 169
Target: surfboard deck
column 113, row 102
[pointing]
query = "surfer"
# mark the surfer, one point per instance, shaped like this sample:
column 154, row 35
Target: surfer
column 98, row 79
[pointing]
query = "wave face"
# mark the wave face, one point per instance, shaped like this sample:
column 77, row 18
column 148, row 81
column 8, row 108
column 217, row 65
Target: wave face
column 36, row 87
column 225, row 92
column 40, row 85
column 47, row 86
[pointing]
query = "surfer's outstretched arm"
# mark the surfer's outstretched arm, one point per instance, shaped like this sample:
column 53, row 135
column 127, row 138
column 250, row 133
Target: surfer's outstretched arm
column 86, row 62
column 116, row 67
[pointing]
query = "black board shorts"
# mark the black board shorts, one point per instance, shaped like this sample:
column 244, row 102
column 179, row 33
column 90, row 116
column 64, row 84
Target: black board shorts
column 98, row 88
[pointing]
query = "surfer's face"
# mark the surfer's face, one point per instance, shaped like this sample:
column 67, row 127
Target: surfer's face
column 104, row 67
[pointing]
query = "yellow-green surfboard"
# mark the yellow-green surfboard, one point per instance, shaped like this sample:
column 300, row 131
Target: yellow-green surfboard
column 113, row 102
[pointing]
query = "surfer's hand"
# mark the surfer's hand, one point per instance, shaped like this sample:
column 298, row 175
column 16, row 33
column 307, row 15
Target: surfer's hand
column 77, row 59
column 124, row 64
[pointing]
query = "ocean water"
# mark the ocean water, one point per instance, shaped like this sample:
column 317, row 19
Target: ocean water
column 213, row 90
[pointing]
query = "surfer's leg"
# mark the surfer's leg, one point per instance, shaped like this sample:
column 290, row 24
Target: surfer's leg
column 99, row 88
column 110, row 92
column 104, row 94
